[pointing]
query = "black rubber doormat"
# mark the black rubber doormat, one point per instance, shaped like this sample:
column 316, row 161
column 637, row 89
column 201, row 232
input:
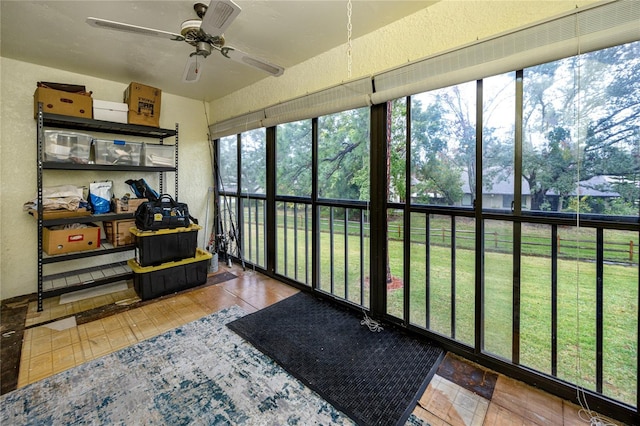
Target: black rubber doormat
column 376, row 378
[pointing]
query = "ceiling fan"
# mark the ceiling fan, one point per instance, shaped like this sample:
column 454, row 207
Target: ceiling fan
column 205, row 34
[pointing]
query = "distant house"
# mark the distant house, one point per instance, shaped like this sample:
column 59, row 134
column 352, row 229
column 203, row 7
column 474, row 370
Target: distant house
column 500, row 194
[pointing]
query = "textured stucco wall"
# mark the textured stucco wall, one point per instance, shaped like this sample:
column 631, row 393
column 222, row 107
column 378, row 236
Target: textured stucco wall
column 443, row 26
column 18, row 178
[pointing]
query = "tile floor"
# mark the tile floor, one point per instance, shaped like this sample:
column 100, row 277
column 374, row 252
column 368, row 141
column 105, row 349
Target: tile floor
column 59, row 345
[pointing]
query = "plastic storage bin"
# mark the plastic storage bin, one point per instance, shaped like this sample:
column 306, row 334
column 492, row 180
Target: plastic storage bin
column 158, row 155
column 117, row 152
column 154, row 281
column 66, row 147
column 165, row 245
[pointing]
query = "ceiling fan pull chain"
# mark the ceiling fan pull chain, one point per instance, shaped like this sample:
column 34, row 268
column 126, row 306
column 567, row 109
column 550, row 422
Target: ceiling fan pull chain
column 349, row 28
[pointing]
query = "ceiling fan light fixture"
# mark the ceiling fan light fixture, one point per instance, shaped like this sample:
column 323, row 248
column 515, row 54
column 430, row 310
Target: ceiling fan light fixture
column 202, row 49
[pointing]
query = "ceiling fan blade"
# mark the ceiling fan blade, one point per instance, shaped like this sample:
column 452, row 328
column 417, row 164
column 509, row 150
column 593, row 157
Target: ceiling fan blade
column 220, row 14
column 252, row 61
column 192, row 69
column 120, row 26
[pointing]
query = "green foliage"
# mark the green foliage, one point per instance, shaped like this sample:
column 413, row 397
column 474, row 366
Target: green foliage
column 293, row 158
column 343, row 155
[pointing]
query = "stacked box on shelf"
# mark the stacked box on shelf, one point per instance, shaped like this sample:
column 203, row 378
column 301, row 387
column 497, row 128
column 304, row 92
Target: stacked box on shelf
column 154, row 281
column 119, row 231
column 165, row 245
column 70, row 239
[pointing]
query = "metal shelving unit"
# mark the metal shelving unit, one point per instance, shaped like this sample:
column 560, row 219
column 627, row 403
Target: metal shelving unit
column 74, row 280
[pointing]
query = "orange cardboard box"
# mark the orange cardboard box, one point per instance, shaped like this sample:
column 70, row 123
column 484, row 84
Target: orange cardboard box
column 144, row 104
column 118, row 232
column 69, row 240
column 63, row 103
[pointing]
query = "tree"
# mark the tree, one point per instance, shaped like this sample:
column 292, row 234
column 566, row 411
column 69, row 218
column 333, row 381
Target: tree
column 581, row 119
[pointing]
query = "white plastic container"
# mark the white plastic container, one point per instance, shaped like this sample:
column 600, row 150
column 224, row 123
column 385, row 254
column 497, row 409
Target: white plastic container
column 158, row 155
column 117, row 152
column 66, row 147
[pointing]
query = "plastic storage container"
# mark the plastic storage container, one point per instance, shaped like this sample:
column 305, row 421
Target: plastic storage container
column 158, row 155
column 117, row 152
column 165, row 245
column 66, row 147
column 154, row 281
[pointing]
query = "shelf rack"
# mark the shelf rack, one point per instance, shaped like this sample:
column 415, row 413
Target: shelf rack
column 67, row 282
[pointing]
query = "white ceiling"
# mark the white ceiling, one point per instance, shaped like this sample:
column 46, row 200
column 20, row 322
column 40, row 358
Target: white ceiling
column 54, row 33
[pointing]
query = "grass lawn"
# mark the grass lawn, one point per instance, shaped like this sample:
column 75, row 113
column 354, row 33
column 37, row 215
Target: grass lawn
column 576, row 301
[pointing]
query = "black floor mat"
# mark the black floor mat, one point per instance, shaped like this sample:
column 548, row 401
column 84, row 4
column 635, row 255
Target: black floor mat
column 375, row 378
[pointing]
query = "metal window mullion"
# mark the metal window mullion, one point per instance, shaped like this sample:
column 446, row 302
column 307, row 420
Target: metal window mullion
column 331, row 247
column 249, row 230
column 306, row 244
column 427, row 275
column 315, row 209
column 295, row 240
column 479, row 227
column 346, row 254
column 286, row 238
column 362, row 212
column 517, row 226
column 599, row 307
column 256, row 216
column 453, row 277
column 407, row 214
column 554, row 300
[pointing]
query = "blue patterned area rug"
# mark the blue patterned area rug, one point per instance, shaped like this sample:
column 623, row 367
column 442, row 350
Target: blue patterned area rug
column 200, row 374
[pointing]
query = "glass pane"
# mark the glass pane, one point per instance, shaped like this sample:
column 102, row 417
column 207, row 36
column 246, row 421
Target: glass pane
column 609, row 84
column 293, row 243
column 418, row 273
column 397, row 150
column 254, row 231
column 465, row 270
column 498, row 133
column 343, row 155
column 228, row 163
column 580, row 133
column 440, row 297
column 498, row 288
column 535, row 297
column 332, row 250
column 254, row 161
column 395, row 263
column 620, row 349
column 293, row 159
column 226, row 242
column 577, row 305
column 443, row 145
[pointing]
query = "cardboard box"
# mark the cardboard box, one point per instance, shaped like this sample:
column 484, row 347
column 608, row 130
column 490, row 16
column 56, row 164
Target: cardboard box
column 110, row 111
column 144, row 104
column 69, row 240
column 63, row 103
column 118, row 231
column 128, row 206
